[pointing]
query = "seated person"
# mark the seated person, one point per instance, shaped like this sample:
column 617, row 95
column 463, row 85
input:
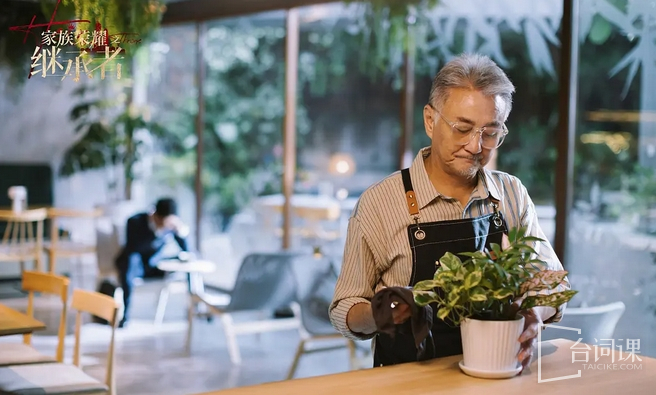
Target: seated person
column 150, row 237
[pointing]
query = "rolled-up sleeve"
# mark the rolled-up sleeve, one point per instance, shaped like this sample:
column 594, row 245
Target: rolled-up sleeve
column 545, row 252
column 357, row 279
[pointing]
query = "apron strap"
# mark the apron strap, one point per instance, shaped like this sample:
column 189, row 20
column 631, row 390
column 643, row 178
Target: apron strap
column 410, row 197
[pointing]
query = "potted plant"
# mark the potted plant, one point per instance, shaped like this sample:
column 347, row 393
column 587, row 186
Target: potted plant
column 484, row 294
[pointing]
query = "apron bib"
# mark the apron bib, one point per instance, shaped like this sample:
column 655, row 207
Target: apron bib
column 429, row 242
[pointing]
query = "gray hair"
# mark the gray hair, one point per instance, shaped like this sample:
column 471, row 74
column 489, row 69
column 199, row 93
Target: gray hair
column 476, row 72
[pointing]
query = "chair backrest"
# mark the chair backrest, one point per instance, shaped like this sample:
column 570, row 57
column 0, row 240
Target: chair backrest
column 316, row 277
column 108, row 246
column 48, row 284
column 265, row 281
column 20, row 240
column 56, row 215
column 102, row 306
column 596, row 322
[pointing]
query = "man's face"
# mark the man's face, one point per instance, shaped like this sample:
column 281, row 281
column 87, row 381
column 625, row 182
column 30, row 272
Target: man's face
column 158, row 220
column 469, row 109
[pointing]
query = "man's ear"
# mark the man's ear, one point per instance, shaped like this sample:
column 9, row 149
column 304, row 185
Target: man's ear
column 429, row 120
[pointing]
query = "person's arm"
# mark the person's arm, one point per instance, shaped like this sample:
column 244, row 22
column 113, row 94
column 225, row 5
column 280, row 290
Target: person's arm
column 547, row 254
column 135, row 240
column 350, row 311
column 180, row 231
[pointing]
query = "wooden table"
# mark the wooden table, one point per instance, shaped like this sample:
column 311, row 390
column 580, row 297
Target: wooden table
column 442, row 376
column 14, row 322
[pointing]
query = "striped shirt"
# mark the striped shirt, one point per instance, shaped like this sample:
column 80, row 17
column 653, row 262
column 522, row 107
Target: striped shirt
column 377, row 252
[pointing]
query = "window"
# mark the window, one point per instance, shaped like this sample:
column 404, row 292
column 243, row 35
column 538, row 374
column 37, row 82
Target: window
column 612, row 235
column 169, row 68
column 242, row 132
column 348, row 124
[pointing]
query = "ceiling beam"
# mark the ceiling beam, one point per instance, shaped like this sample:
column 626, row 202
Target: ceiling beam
column 186, row 11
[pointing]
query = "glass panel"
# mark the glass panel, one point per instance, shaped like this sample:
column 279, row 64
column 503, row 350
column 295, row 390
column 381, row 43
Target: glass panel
column 524, row 43
column 612, row 239
column 242, row 136
column 169, row 68
column 348, row 125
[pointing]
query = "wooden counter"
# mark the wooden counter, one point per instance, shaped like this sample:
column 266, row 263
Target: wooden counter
column 14, row 322
column 442, row 376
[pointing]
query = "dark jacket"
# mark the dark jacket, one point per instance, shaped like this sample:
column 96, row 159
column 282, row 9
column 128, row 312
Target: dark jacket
column 141, row 239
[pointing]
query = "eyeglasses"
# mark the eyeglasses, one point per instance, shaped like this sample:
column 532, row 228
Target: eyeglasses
column 491, row 136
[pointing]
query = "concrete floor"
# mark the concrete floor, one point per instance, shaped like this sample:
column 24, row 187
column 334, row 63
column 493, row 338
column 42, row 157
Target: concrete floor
column 152, row 359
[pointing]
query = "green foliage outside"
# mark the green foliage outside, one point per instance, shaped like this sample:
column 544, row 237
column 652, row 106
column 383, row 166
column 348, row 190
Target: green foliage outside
column 244, row 102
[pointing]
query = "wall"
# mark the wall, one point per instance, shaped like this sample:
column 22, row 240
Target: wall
column 35, row 128
column 35, row 125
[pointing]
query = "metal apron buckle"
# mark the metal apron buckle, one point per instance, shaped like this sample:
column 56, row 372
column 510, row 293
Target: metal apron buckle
column 419, row 234
column 496, row 219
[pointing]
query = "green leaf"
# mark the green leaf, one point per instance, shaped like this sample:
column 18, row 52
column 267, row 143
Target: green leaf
column 443, row 312
column 461, row 273
column 532, row 238
column 453, row 297
column 426, row 285
column 451, row 261
column 478, row 294
column 496, row 248
column 473, row 279
column 528, row 249
column 500, row 271
column 537, row 262
column 422, row 298
column 553, row 300
column 444, row 277
column 475, row 255
column 502, row 293
column 485, row 283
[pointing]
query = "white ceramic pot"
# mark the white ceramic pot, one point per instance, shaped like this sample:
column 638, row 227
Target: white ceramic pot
column 491, row 346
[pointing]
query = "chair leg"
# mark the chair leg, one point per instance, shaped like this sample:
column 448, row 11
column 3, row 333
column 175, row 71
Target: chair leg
column 353, row 357
column 262, row 315
column 161, row 304
column 297, row 357
column 190, row 322
column 231, row 339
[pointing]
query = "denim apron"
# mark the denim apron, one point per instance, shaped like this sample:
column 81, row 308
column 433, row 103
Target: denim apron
column 429, row 242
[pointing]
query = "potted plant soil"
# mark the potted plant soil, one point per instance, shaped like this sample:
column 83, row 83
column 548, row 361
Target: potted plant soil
column 483, row 294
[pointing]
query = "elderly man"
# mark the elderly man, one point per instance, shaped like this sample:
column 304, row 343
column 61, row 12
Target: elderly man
column 469, row 103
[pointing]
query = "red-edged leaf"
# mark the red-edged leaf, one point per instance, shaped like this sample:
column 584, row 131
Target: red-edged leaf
column 544, row 279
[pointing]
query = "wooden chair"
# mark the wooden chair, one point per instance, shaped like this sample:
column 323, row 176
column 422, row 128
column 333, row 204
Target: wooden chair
column 60, row 378
column 21, row 242
column 67, row 247
column 17, row 353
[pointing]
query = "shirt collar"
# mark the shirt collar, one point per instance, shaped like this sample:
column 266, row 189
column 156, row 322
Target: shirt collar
column 426, row 192
column 486, row 181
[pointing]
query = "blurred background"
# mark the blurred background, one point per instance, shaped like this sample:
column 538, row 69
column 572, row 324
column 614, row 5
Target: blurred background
column 200, row 113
